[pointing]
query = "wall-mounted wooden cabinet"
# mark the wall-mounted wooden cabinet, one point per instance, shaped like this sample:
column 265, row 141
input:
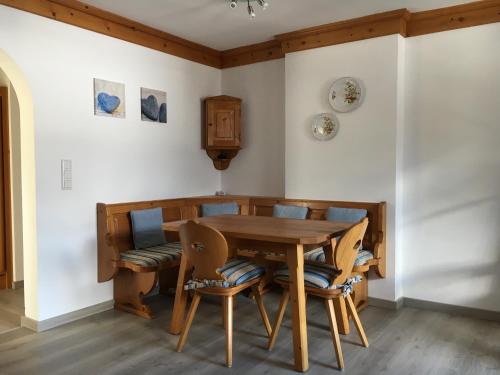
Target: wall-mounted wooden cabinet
column 222, row 129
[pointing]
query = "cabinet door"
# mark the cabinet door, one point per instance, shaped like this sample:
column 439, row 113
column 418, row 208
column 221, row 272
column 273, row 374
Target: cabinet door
column 223, row 124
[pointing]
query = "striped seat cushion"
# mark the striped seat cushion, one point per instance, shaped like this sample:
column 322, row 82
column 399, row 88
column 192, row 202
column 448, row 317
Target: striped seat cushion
column 318, row 255
column 319, row 276
column 235, row 272
column 153, row 256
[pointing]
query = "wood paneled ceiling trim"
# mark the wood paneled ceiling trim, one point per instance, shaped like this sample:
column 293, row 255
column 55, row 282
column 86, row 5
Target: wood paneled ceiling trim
column 399, row 21
column 87, row 17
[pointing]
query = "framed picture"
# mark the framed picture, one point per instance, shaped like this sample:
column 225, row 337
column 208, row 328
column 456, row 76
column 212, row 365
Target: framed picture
column 109, row 98
column 153, row 105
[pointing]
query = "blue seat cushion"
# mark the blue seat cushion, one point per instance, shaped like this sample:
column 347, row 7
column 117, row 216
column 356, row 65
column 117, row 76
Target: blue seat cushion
column 318, row 255
column 289, row 211
column 350, row 215
column 153, row 256
column 319, row 276
column 316, row 276
column 214, row 209
column 146, row 228
column 235, row 272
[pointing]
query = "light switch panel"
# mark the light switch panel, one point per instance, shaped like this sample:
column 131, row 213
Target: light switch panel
column 66, row 175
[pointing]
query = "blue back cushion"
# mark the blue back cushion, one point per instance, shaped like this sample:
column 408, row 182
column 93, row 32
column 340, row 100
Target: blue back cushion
column 146, row 228
column 289, row 211
column 214, row 209
column 350, row 215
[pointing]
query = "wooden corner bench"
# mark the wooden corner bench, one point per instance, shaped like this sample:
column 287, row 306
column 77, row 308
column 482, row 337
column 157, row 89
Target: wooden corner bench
column 132, row 282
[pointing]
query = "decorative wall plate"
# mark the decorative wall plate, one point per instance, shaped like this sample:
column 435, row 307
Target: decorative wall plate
column 346, row 94
column 325, row 126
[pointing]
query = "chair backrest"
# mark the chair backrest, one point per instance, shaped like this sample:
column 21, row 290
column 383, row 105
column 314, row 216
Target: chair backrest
column 346, row 251
column 205, row 248
column 289, row 211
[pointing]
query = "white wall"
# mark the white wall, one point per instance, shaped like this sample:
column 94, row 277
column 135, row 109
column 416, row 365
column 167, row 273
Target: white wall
column 452, row 168
column 425, row 140
column 359, row 164
column 259, row 168
column 113, row 159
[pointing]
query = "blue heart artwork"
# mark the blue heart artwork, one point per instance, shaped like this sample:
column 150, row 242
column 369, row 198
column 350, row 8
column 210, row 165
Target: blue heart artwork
column 153, row 105
column 108, row 103
column 149, row 108
column 163, row 113
column 109, row 98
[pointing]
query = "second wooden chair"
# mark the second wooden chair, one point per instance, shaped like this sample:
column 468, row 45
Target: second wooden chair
column 329, row 282
column 206, row 250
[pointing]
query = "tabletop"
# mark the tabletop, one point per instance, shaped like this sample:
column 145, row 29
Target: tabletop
column 272, row 229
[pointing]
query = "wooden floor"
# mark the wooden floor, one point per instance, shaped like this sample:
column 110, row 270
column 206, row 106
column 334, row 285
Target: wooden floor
column 402, row 342
column 11, row 309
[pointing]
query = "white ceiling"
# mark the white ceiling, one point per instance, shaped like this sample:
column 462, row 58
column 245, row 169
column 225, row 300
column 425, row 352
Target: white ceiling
column 214, row 24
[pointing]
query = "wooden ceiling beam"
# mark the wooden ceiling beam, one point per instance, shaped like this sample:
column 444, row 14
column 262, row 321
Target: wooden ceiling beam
column 87, row 17
column 455, row 17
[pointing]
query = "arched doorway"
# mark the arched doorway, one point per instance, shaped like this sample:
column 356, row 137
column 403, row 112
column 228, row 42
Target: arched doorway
column 25, row 145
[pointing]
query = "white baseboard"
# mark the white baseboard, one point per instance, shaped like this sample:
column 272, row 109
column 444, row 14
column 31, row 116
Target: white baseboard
column 471, row 312
column 385, row 304
column 435, row 306
column 18, row 284
column 44, row 325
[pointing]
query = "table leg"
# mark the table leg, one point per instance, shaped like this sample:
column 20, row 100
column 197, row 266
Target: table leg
column 180, row 299
column 339, row 303
column 295, row 260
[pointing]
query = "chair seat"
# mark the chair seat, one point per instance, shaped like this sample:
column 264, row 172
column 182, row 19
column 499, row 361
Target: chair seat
column 318, row 276
column 153, row 256
column 235, row 272
column 318, row 255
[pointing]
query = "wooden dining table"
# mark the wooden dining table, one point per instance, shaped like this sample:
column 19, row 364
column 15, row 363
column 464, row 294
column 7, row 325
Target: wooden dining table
column 267, row 235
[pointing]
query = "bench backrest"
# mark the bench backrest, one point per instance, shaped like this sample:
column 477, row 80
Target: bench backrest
column 114, row 227
column 375, row 234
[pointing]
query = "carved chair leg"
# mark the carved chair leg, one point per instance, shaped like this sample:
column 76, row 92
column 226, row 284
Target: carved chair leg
column 357, row 321
column 188, row 322
column 360, row 292
column 130, row 287
column 279, row 317
column 224, row 312
column 228, row 322
column 262, row 310
column 330, row 311
column 265, row 284
column 342, row 316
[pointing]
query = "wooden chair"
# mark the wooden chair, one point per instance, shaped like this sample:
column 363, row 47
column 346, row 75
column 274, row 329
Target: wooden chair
column 329, row 282
column 207, row 252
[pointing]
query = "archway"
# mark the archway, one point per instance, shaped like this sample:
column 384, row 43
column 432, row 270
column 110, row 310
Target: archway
column 26, row 145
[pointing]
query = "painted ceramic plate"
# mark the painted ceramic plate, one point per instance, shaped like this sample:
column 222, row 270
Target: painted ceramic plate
column 325, row 126
column 346, row 94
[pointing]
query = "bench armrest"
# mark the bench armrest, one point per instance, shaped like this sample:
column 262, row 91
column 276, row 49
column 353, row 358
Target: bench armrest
column 107, row 253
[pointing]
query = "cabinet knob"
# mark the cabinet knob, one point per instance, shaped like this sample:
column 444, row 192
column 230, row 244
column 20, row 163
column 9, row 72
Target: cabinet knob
column 209, row 124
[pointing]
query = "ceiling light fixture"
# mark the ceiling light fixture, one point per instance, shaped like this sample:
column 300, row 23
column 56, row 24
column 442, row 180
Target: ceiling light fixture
column 251, row 11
